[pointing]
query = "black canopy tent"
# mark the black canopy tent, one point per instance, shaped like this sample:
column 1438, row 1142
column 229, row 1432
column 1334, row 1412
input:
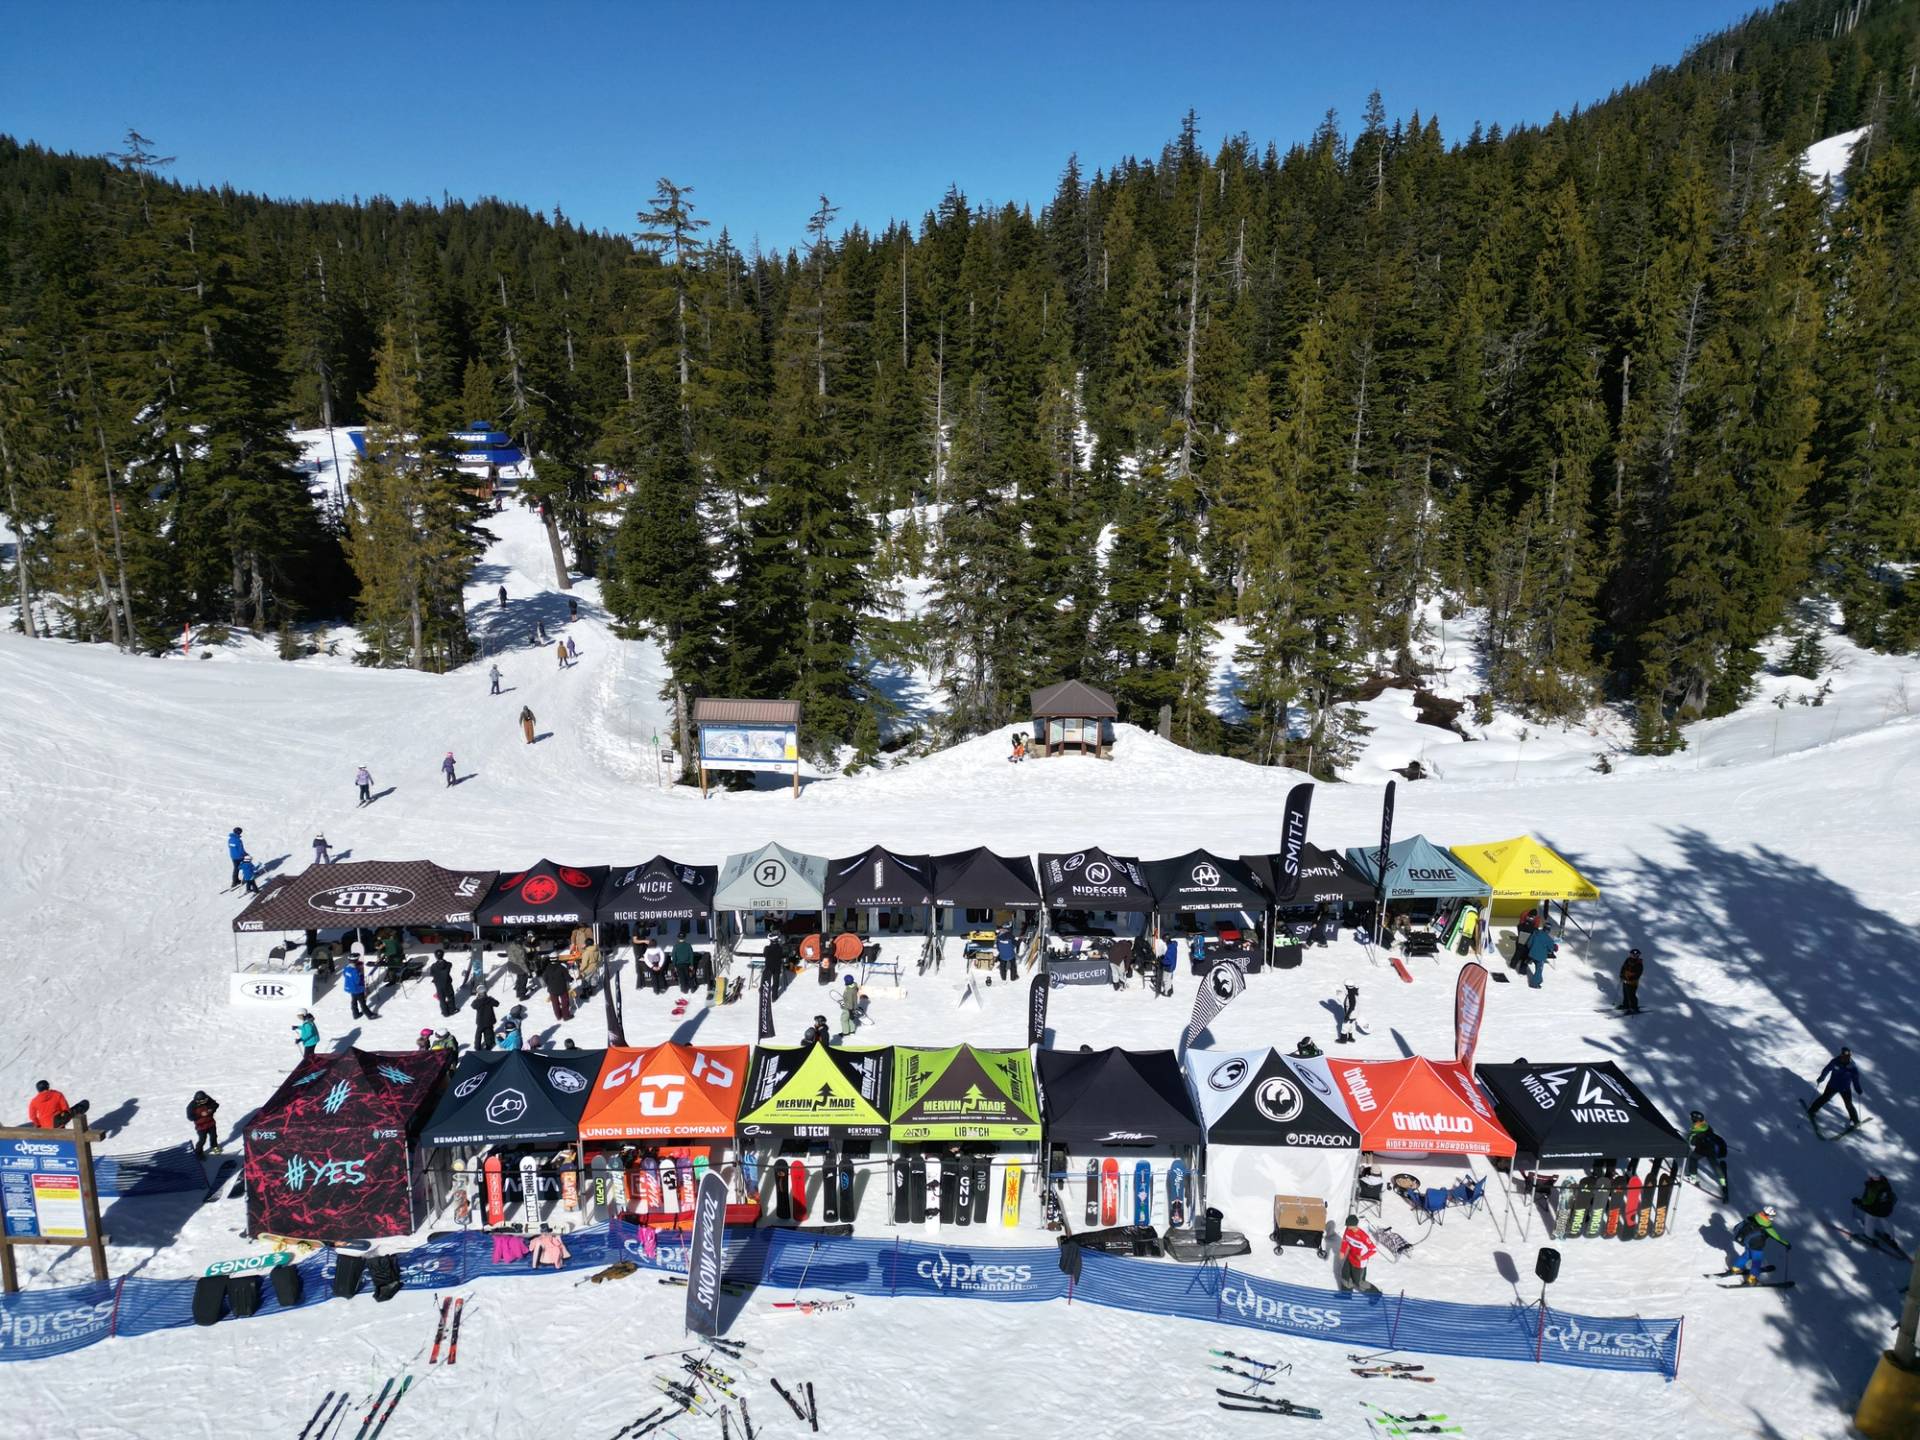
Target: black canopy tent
column 1325, row 879
column 515, row 1097
column 978, row 879
column 544, row 893
column 1200, row 880
column 1113, row 1098
column 1091, row 879
column 1578, row 1113
column 356, row 893
column 658, row 893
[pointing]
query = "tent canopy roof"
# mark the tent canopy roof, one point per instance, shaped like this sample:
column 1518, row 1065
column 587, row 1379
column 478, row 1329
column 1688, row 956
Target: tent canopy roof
column 660, row 889
column 355, row 1090
column 1091, row 879
column 543, row 894
column 1201, row 880
column 878, row 878
column 978, row 879
column 1417, row 869
column 771, row 878
column 1325, row 879
column 515, row 1097
column 1417, row 1106
column 817, row 1090
column 665, row 1092
column 1114, row 1097
column 1582, row 1110
column 1524, row 869
column 961, row 1093
column 367, row 892
column 1071, row 698
column 1261, row 1097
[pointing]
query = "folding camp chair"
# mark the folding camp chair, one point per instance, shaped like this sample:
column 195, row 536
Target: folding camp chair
column 1368, row 1191
column 1432, row 1204
column 1473, row 1193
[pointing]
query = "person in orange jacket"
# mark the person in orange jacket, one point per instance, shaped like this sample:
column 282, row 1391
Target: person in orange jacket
column 48, row 1108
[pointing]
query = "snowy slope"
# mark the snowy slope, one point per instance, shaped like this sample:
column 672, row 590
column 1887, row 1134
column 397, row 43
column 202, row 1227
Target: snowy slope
column 1773, row 896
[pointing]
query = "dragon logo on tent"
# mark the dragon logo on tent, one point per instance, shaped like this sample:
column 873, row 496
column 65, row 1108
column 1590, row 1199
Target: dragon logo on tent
column 1227, row 1074
column 467, row 1086
column 336, row 1097
column 1315, row 1083
column 567, row 1082
column 578, row 879
column 539, row 890
column 1279, row 1099
column 1206, row 877
column 509, row 1107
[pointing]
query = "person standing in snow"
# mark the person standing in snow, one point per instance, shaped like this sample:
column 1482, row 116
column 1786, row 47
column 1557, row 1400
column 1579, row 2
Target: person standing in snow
column 558, row 983
column 1707, row 1148
column 363, row 780
column 1006, row 953
column 573, row 650
column 1876, row 1202
column 236, row 852
column 683, row 960
column 503, row 598
column 441, row 971
column 353, row 979
column 1631, row 969
column 849, row 1006
column 573, row 608
column 1523, row 932
column 1753, row 1233
column 486, row 1010
column 200, row 1112
column 246, row 876
column 526, row 723
column 1841, row 1077
column 306, row 1034
column 653, row 966
column 447, row 768
column 1357, row 1248
column 477, row 967
column 560, row 649
column 522, row 972
column 1541, row 947
column 494, row 676
column 321, row 854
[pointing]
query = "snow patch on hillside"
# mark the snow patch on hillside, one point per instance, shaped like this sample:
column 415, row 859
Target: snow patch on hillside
column 1825, row 161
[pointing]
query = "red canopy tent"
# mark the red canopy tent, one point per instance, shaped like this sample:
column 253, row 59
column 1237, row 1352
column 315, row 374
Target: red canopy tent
column 1419, row 1107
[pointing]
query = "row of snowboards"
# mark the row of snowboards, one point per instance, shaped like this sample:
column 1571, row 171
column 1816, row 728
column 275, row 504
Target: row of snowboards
column 651, row 1184
column 831, row 1179
column 954, row 1189
column 1105, row 1205
column 1603, row 1202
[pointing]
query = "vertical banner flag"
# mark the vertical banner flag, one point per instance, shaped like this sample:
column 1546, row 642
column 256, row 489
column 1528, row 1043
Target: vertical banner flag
column 1293, row 842
column 706, row 1255
column 616, row 1026
column 1037, row 1008
column 1224, row 981
column 767, row 982
column 1386, row 838
column 1469, row 1005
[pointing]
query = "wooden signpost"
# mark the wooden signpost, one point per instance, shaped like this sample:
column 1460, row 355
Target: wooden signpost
column 48, row 1195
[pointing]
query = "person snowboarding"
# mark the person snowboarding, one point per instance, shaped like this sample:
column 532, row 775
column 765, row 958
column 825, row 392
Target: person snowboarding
column 1708, row 1148
column 494, row 676
column 48, row 1109
column 486, row 1010
column 560, row 650
column 247, row 873
column 363, row 781
column 441, row 971
column 1541, row 947
column 1631, row 969
column 322, row 855
column 236, row 852
column 447, row 768
column 306, row 1034
column 200, row 1112
column 526, row 723
column 1753, row 1233
column 353, row 979
column 1357, row 1248
column 1841, row 1077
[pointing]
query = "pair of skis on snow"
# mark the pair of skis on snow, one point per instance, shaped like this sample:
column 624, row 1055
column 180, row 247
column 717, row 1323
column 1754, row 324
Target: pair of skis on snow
column 810, row 1415
column 380, row 1411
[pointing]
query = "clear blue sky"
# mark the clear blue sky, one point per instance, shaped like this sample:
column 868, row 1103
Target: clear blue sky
column 761, row 107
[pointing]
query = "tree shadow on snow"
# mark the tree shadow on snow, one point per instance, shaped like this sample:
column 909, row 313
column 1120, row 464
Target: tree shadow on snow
column 1842, row 970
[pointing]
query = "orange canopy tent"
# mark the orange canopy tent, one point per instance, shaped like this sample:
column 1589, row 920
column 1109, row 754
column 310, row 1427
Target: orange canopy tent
column 1417, row 1106
column 667, row 1093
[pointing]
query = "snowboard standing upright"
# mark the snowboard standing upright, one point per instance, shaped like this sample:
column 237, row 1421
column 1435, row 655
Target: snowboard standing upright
column 797, row 1173
column 1143, row 1193
column 1110, row 1191
column 1177, row 1194
column 1010, row 1201
column 982, row 1187
column 917, row 1187
column 782, row 1194
column 843, row 1180
column 1093, row 1192
column 669, row 1186
column 1663, row 1196
column 529, row 1194
column 938, row 1185
column 902, row 1191
column 1564, row 1200
column 830, row 1192
column 963, row 1192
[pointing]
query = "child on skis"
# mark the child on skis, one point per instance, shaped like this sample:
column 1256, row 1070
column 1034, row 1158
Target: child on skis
column 1753, row 1234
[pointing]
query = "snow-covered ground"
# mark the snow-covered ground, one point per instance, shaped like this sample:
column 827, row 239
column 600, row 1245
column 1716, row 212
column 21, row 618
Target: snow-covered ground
column 1768, row 880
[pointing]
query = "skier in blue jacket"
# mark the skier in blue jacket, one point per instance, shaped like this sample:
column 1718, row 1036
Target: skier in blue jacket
column 1541, row 947
column 236, row 852
column 353, row 980
column 509, row 1035
column 1840, row 1077
column 246, row 876
column 306, row 1033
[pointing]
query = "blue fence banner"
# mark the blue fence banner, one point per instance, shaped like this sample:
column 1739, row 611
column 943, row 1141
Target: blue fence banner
column 789, row 1261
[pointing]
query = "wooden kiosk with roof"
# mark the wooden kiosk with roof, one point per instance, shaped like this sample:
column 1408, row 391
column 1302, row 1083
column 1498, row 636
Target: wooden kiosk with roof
column 748, row 735
column 1072, row 717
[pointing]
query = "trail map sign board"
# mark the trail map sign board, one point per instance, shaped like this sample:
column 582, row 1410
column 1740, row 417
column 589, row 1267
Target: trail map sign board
column 748, row 735
column 47, row 1195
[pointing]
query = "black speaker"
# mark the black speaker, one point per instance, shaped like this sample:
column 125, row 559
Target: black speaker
column 209, row 1298
column 286, row 1285
column 347, row 1270
column 1546, row 1265
column 243, row 1294
column 1210, row 1226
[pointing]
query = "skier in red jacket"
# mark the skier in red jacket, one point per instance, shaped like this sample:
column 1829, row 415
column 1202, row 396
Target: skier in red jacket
column 48, row 1108
column 1356, row 1249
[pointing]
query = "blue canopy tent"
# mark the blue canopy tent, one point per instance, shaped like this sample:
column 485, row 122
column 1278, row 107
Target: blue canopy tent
column 1417, row 871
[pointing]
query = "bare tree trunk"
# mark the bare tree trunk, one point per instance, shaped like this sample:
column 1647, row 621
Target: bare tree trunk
column 1626, row 409
column 561, row 578
column 1183, row 467
column 418, row 649
column 683, row 728
column 113, row 516
column 257, row 590
column 940, row 416
column 1360, row 406
column 628, row 353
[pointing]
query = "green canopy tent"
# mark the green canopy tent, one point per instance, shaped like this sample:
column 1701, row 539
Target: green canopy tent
column 961, row 1093
column 815, row 1093
column 1417, row 870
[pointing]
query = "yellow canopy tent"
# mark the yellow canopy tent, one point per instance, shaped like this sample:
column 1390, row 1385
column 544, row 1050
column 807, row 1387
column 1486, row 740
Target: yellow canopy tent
column 1521, row 871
